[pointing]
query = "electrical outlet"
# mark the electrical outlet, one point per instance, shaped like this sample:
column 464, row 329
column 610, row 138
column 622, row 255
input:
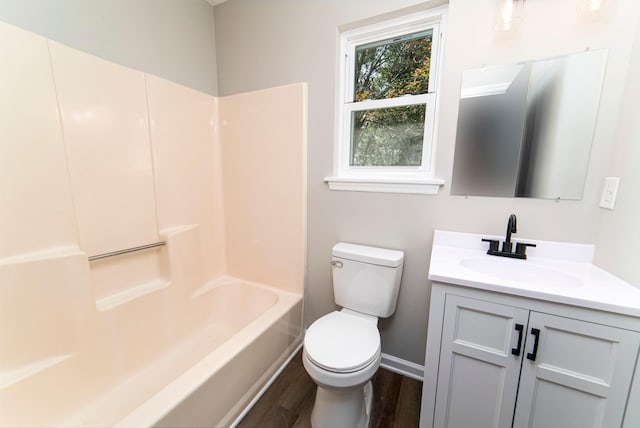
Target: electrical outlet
column 608, row 198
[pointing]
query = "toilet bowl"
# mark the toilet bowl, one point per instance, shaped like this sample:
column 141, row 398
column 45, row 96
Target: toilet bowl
column 342, row 349
column 341, row 354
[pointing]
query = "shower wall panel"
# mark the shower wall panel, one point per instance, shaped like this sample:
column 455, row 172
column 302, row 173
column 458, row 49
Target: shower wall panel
column 187, row 167
column 33, row 169
column 263, row 135
column 106, row 132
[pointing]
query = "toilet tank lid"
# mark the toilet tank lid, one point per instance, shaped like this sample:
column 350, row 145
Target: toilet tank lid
column 365, row 254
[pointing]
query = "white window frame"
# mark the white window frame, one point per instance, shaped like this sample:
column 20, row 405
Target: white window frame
column 405, row 179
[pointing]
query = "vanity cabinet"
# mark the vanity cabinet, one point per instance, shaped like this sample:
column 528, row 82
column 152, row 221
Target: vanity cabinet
column 497, row 360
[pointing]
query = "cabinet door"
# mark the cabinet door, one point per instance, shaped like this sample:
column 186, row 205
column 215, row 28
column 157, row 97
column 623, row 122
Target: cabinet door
column 478, row 373
column 580, row 376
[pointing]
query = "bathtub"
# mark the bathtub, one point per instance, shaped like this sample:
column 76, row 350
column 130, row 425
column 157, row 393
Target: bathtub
column 215, row 390
column 227, row 342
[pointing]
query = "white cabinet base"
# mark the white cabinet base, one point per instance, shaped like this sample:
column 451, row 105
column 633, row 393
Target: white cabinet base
column 478, row 363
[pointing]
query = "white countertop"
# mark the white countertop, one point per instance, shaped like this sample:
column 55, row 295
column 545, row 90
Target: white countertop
column 554, row 271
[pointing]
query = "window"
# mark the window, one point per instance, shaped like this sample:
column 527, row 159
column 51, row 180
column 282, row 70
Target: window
column 387, row 102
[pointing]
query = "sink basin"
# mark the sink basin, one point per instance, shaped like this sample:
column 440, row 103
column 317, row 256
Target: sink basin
column 520, row 271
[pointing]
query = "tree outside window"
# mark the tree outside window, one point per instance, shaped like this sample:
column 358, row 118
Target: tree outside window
column 392, row 68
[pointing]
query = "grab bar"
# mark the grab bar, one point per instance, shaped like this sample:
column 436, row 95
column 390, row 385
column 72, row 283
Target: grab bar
column 125, row 251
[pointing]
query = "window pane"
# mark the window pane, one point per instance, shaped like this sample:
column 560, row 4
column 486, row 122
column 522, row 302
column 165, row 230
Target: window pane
column 393, row 67
column 387, row 136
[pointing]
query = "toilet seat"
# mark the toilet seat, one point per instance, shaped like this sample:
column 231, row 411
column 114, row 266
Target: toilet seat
column 341, row 342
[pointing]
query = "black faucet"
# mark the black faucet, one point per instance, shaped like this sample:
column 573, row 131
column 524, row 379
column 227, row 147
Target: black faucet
column 511, row 228
column 507, row 245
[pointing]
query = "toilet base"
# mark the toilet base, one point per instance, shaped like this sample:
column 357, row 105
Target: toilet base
column 342, row 407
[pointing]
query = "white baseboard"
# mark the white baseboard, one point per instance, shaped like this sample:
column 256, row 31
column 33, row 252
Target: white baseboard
column 403, row 367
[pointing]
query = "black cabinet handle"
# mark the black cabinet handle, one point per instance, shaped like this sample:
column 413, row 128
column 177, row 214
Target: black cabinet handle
column 516, row 351
column 532, row 355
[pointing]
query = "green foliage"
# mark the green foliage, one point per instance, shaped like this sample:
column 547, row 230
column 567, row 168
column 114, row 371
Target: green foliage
column 390, row 136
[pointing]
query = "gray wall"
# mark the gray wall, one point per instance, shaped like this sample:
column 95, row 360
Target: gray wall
column 173, row 39
column 618, row 243
column 267, row 43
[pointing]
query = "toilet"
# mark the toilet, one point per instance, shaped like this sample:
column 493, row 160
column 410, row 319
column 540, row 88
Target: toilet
column 342, row 349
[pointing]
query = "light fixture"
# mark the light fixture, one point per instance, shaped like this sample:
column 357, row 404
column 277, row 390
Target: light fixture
column 508, row 14
column 590, row 6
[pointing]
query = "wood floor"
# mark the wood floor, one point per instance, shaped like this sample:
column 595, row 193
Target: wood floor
column 289, row 400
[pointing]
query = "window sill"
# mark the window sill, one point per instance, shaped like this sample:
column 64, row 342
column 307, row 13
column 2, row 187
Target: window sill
column 386, row 185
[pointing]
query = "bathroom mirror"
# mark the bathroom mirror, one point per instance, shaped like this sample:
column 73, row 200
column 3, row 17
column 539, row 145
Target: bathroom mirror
column 525, row 130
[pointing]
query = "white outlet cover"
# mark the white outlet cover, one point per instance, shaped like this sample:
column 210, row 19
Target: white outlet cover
column 609, row 192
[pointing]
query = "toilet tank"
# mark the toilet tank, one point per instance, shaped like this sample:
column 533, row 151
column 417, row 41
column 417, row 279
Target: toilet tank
column 366, row 279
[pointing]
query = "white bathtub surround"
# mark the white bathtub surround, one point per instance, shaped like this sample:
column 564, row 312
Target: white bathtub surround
column 100, row 158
